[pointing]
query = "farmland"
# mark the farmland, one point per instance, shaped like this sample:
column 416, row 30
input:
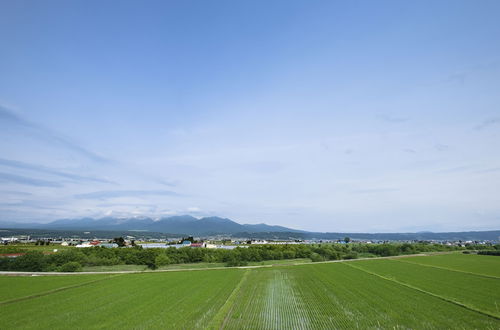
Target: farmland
column 445, row 291
column 478, row 264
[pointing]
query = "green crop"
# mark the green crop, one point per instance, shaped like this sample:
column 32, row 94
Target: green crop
column 382, row 294
column 339, row 296
column 476, row 291
column 473, row 263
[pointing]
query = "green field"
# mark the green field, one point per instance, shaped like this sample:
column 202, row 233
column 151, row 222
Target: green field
column 478, row 264
column 19, row 248
column 436, row 292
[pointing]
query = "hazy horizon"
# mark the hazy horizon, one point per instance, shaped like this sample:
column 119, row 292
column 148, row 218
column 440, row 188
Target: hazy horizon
column 327, row 116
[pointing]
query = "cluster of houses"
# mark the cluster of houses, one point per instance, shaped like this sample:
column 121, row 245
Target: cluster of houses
column 187, row 244
column 15, row 239
column 81, row 242
column 92, row 244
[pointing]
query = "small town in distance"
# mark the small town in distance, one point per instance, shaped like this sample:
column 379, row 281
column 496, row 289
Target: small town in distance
column 209, row 242
column 79, row 251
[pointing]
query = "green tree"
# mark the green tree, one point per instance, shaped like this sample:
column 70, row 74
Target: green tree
column 315, row 257
column 71, row 266
column 32, row 261
column 162, row 260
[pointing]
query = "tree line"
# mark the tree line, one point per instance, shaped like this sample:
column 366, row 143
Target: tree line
column 490, row 252
column 74, row 259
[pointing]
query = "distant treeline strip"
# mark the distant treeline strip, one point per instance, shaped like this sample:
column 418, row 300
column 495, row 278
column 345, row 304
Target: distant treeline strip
column 489, row 252
column 73, row 259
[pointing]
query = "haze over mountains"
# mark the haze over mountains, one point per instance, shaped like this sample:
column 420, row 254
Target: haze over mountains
column 189, row 225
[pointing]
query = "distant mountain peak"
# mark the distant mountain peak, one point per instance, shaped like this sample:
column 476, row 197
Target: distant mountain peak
column 178, row 224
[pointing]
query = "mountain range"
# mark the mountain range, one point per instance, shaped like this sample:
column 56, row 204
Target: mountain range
column 189, row 225
column 183, row 224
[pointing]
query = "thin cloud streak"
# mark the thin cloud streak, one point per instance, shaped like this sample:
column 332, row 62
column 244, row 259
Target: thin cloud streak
column 15, row 193
column 126, row 193
column 457, row 169
column 375, row 190
column 24, row 180
column 392, row 119
column 489, row 170
column 487, row 123
column 48, row 170
column 10, row 118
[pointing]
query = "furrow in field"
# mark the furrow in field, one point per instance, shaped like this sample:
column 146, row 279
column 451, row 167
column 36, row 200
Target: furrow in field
column 220, row 319
column 473, row 263
column 408, row 260
column 13, row 287
column 248, row 306
column 45, row 293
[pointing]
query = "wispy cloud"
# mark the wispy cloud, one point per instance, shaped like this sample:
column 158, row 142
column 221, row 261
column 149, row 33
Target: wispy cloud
column 391, row 118
column 127, row 205
column 29, row 204
column 48, row 170
column 458, row 77
column 12, row 119
column 126, row 193
column 11, row 178
column 441, row 147
column 15, row 193
column 168, row 183
column 488, row 170
column 488, row 122
column 456, row 169
column 374, row 190
column 263, row 166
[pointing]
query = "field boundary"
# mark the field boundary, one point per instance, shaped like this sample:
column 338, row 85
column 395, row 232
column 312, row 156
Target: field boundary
column 220, row 319
column 471, row 308
column 450, row 269
column 46, row 293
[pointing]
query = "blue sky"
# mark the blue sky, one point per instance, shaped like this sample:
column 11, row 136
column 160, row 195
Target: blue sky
column 324, row 115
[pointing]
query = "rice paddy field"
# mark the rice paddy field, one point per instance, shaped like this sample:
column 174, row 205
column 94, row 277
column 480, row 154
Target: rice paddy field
column 452, row 291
